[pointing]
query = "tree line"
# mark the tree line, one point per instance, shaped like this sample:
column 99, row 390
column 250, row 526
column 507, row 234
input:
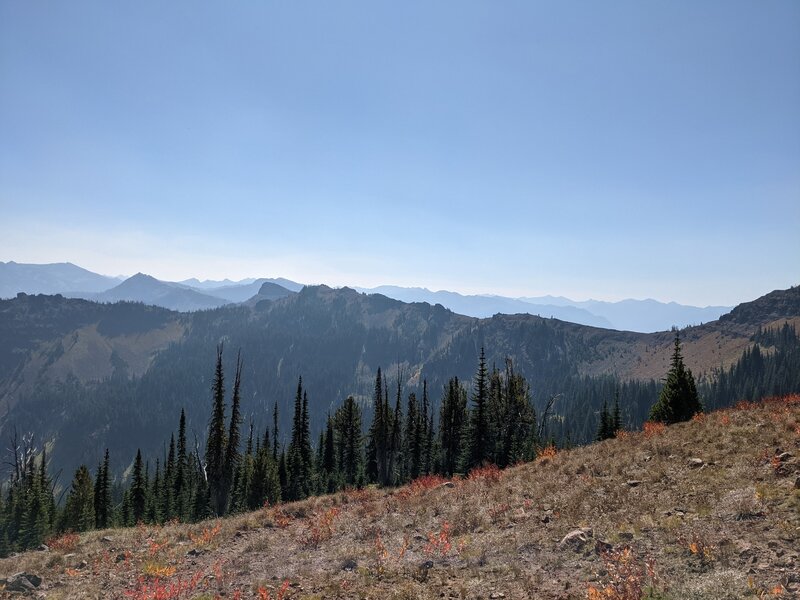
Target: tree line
column 491, row 421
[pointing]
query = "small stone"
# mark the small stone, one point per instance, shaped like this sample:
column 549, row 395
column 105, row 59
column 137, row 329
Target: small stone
column 634, row 482
column 496, row 595
column 784, row 456
column 625, row 535
column 106, row 539
column 120, row 557
column 797, row 483
column 545, row 519
column 695, row 463
column 82, row 565
column 448, row 484
column 576, row 538
column 349, row 564
column 43, row 548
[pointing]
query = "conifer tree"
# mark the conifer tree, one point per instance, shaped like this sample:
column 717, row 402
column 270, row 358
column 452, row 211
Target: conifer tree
column 102, row 495
column 452, row 418
column 605, row 424
column 477, row 446
column 167, row 499
column 232, row 454
column 216, row 442
column 678, row 400
column 138, row 491
column 275, row 432
column 348, row 434
column 299, row 455
column 79, row 508
column 396, row 462
column 412, row 439
column 182, row 492
column 616, row 417
column 378, row 437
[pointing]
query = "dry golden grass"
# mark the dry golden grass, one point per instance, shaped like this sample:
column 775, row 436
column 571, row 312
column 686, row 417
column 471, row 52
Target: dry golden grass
column 654, row 522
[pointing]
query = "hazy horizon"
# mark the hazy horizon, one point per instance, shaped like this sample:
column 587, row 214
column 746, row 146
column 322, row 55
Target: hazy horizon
column 622, row 150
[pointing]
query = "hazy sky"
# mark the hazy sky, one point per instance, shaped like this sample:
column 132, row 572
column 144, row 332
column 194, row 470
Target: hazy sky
column 590, row 149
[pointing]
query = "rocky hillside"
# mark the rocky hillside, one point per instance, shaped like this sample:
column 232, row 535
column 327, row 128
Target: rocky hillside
column 708, row 509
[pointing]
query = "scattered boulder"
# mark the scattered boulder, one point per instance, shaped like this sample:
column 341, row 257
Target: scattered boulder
column 577, row 538
column 43, row 548
column 106, row 539
column 21, row 582
column 448, row 484
column 695, row 463
column 784, row 456
column 634, row 482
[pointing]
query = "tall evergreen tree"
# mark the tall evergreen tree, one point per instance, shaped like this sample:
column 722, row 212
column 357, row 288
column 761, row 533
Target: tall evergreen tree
column 79, row 507
column 395, row 461
column 452, row 418
column 348, row 438
column 216, row 442
column 378, row 437
column 138, row 491
column 605, row 424
column 616, row 416
column 413, row 439
column 232, row 454
column 103, row 507
column 678, row 400
column 477, row 446
column 299, row 465
column 182, row 491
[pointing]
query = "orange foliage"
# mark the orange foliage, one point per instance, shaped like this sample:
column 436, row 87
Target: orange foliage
column 490, row 473
column 66, row 542
column 546, row 452
column 206, row 536
column 653, row 429
column 420, row 485
column 627, row 578
column 264, row 593
column 158, row 590
column 439, row 543
column 319, row 527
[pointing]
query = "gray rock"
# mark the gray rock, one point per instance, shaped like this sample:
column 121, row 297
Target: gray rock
column 634, row 482
column 577, row 538
column 695, row 463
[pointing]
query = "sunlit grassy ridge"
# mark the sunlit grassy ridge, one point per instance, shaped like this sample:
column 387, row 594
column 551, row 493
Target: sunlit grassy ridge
column 704, row 509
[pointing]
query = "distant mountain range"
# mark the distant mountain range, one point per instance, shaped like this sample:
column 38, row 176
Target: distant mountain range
column 192, row 294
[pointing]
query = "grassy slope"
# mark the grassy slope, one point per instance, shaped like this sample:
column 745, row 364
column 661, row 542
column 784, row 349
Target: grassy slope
column 730, row 529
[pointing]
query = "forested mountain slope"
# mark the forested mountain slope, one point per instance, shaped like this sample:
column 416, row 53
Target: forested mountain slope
column 118, row 375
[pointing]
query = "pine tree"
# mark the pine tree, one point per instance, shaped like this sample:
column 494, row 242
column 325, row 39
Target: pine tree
column 678, row 400
column 413, row 439
column 605, row 424
column 396, row 462
column 616, row 417
column 216, row 442
column 452, row 418
column 347, row 423
column 182, row 491
column 275, row 432
column 426, row 431
column 79, row 507
column 299, row 456
column 477, row 447
column 378, row 437
column 138, row 491
column 232, row 454
column 102, row 495
column 167, row 500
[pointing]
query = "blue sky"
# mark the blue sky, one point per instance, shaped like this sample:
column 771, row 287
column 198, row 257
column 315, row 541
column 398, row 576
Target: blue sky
column 606, row 150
